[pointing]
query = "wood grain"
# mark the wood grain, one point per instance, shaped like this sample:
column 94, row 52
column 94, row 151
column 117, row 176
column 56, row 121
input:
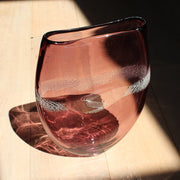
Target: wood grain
column 145, row 152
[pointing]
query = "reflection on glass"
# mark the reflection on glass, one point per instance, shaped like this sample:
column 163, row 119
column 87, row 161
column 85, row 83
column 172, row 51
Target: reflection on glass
column 91, row 84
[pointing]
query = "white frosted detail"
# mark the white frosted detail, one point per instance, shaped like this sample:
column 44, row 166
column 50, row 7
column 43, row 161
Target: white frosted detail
column 49, row 105
column 139, row 85
column 92, row 101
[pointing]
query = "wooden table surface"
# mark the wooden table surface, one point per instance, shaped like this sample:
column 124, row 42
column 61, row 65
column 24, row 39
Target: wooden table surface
column 146, row 152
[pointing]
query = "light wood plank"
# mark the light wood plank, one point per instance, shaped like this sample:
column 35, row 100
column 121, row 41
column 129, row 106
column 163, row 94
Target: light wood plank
column 15, row 61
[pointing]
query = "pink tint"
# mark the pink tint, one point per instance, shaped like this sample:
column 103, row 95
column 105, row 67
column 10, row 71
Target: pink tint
column 91, row 84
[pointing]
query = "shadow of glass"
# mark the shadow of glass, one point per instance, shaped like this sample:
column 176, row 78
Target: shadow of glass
column 170, row 175
column 163, row 40
column 159, row 176
column 26, row 123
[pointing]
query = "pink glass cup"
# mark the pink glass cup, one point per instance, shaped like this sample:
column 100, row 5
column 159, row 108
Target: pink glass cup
column 91, row 84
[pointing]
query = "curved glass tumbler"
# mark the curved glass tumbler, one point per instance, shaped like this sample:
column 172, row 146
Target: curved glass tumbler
column 91, row 84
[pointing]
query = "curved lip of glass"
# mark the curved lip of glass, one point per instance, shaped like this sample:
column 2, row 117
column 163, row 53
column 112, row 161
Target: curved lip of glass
column 46, row 35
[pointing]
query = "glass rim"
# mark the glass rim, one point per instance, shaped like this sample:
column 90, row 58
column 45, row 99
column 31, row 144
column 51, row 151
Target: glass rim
column 50, row 33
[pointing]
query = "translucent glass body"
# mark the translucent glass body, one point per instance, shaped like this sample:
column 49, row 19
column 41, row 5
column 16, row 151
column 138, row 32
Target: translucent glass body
column 91, row 84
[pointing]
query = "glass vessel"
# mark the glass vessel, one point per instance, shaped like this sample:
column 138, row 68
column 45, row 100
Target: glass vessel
column 91, row 84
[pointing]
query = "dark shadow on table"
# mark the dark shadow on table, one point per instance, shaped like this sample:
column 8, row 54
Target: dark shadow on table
column 163, row 41
column 174, row 175
column 161, row 176
column 27, row 125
